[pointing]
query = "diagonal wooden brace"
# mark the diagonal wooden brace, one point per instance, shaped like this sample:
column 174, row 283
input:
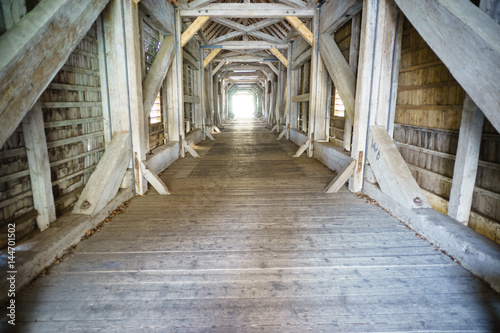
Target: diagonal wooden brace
column 187, row 147
column 207, row 133
column 302, row 149
column 154, row 180
column 342, row 177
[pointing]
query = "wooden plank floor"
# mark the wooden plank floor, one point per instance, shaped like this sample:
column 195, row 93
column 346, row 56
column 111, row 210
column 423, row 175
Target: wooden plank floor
column 248, row 242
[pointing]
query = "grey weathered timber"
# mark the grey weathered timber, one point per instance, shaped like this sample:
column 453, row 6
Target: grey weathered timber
column 339, row 71
column 156, row 75
column 469, row 144
column 39, row 166
column 154, row 180
column 305, row 56
column 466, row 162
column 250, row 10
column 107, row 177
column 391, row 171
column 53, row 28
column 335, row 13
column 160, row 14
column 342, row 177
column 463, row 29
column 363, row 92
column 332, row 263
column 301, row 98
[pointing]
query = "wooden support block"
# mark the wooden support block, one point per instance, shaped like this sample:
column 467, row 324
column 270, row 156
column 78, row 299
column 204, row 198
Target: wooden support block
column 275, row 127
column 52, row 28
column 342, row 177
column 302, row 148
column 107, row 177
column 392, row 173
column 301, row 98
column 215, row 128
column 210, row 57
column 39, row 166
column 156, row 75
column 154, row 180
column 192, row 29
column 191, row 99
column 340, row 72
column 279, row 55
column 187, row 147
column 301, row 28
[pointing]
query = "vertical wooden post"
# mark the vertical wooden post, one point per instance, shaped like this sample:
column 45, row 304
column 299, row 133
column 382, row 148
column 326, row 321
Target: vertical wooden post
column 173, row 122
column 363, row 92
column 138, row 126
column 306, row 84
column 353, row 63
column 469, row 144
column 294, row 90
column 39, row 166
column 178, row 67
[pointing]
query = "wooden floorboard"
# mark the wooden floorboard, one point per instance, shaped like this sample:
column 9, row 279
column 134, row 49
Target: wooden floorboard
column 248, row 242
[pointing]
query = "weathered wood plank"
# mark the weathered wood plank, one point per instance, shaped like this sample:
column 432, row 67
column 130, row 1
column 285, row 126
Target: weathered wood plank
column 192, row 29
column 342, row 177
column 334, row 14
column 301, row 28
column 39, row 167
column 160, row 14
column 156, row 75
column 340, row 72
column 112, row 166
column 55, row 27
column 391, row 171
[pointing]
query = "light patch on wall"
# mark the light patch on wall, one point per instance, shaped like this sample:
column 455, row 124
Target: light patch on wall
column 243, row 105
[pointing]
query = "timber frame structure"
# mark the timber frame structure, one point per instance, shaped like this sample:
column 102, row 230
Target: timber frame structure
column 115, row 91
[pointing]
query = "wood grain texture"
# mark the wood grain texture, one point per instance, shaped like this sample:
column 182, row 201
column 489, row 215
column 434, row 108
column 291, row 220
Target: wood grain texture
column 249, row 242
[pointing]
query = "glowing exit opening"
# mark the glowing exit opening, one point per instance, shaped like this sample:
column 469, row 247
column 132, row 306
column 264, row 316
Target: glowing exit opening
column 243, row 105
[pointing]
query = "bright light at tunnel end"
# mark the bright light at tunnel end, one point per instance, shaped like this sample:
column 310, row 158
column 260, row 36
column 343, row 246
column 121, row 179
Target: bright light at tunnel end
column 243, row 105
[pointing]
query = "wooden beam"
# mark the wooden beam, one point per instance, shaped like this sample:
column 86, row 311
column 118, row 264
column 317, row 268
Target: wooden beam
column 160, row 14
column 244, row 10
column 392, row 173
column 193, row 28
column 301, row 98
column 294, row 3
column 302, row 148
column 266, row 37
column 225, row 37
column 340, row 72
column 188, row 58
column 342, row 177
column 52, row 27
column 463, row 30
column 156, row 75
column 218, row 67
column 334, row 14
column 192, row 99
column 154, row 180
column 466, row 162
column 353, row 63
column 209, row 58
column 111, row 168
column 242, row 45
column 198, row 3
column 304, row 57
column 39, row 166
column 363, row 92
column 279, row 55
column 301, row 28
column 469, row 144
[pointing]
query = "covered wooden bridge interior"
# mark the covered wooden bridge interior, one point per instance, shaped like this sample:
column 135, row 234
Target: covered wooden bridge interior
column 363, row 194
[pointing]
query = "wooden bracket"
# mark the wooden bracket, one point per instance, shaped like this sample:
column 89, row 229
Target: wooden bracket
column 301, row 28
column 210, row 57
column 279, row 55
column 193, row 28
column 342, row 177
column 154, row 180
column 282, row 134
column 207, row 133
column 187, row 147
column 302, row 148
